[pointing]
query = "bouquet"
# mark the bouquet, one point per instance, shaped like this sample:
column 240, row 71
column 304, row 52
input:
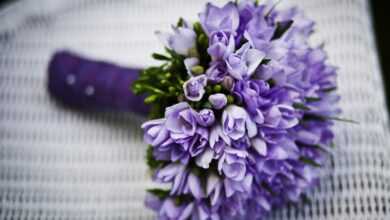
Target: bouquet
column 242, row 109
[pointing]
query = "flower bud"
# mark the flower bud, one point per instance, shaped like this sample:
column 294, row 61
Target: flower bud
column 205, row 117
column 218, row 100
column 197, row 70
column 228, row 82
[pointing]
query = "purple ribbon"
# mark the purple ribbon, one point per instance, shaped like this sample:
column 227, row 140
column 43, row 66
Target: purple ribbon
column 93, row 85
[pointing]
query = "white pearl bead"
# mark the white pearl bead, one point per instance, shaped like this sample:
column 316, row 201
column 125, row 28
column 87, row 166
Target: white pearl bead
column 89, row 90
column 70, row 79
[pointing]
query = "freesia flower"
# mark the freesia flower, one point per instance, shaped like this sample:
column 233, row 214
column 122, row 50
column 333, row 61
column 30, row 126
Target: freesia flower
column 221, row 45
column 232, row 164
column 218, row 140
column 218, row 100
column 180, row 121
column 224, row 19
column 243, row 63
column 236, row 123
column 155, row 132
column 181, row 41
column 217, row 71
column 205, row 117
column 194, row 88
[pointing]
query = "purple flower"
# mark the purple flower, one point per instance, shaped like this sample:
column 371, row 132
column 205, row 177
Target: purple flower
column 205, row 117
column 237, row 123
column 243, row 63
column 205, row 158
column 302, row 27
column 172, row 152
column 181, row 41
column 224, row 19
column 218, row 100
column 174, row 173
column 153, row 202
column 242, row 143
column 194, row 88
column 241, row 186
column 189, row 63
column 258, row 31
column 232, row 164
column 180, row 121
column 274, row 70
column 169, row 210
column 198, row 143
column 283, row 149
column 259, row 145
column 252, row 93
column 281, row 116
column 203, row 211
column 221, row 45
column 228, row 83
column 218, row 140
column 155, row 132
column 217, row 71
column 194, row 187
column 214, row 188
column 246, row 9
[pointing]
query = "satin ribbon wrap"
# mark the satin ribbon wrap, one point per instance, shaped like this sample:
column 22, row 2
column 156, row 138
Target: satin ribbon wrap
column 93, row 85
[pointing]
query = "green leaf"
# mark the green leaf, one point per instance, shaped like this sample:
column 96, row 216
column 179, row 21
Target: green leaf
column 300, row 106
column 203, row 40
column 154, row 90
column 180, row 23
column 309, row 161
column 158, row 56
column 271, row 82
column 305, row 199
column 343, row 120
column 313, row 117
column 150, row 160
column 321, row 148
column 308, row 117
column 209, row 89
column 150, row 99
column 137, row 88
column 174, row 56
column 207, row 105
column 172, row 89
column 312, row 99
column 160, row 193
column 198, row 28
column 156, row 111
column 265, row 61
column 281, row 28
column 267, row 188
column 331, row 89
column 183, row 199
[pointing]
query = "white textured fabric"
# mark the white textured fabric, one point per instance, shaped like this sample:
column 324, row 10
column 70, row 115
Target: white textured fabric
column 57, row 163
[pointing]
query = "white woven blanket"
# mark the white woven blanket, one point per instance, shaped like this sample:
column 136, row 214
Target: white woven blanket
column 56, row 163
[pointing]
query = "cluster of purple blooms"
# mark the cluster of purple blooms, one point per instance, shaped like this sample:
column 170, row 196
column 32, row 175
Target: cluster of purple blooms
column 260, row 144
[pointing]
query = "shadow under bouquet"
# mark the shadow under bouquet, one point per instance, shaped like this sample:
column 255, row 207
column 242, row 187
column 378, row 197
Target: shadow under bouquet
column 242, row 109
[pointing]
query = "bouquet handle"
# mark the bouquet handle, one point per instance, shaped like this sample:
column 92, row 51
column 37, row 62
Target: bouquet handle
column 86, row 84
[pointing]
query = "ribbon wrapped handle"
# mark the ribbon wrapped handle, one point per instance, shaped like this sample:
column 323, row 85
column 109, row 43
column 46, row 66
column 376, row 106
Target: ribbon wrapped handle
column 91, row 85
